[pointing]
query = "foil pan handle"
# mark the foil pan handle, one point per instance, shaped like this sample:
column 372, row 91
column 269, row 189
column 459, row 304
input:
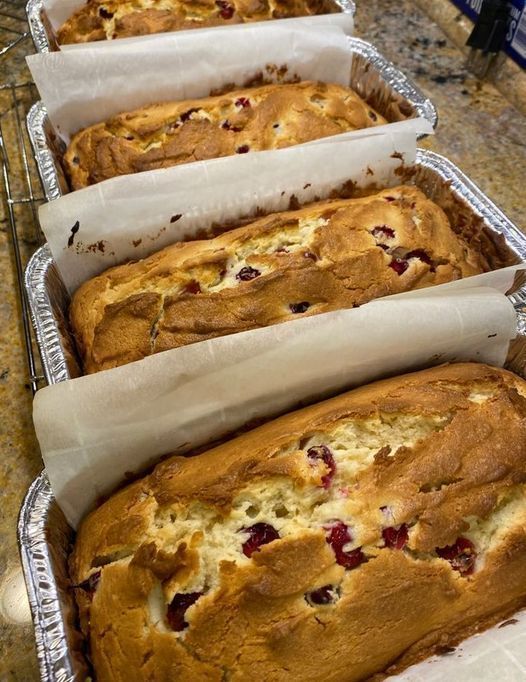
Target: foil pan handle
column 516, row 360
column 44, row 540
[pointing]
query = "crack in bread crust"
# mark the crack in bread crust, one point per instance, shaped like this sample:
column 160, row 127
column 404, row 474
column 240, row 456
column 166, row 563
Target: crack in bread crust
column 436, row 456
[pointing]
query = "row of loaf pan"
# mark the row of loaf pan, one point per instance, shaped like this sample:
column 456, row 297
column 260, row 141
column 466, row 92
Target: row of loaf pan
column 44, row 535
column 372, row 76
column 45, row 39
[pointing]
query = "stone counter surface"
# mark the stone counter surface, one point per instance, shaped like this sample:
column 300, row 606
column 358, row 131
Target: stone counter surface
column 478, row 129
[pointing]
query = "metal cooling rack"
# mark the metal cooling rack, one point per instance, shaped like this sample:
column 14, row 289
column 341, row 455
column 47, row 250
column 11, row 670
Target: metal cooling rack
column 13, row 25
column 22, row 191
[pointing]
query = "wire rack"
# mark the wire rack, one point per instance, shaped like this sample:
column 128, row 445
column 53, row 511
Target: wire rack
column 13, row 25
column 22, row 191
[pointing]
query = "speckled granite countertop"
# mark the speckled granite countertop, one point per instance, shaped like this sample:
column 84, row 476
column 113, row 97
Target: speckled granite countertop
column 508, row 77
column 478, row 129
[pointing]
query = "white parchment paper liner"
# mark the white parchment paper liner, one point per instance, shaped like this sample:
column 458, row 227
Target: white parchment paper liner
column 83, row 87
column 58, row 11
column 131, row 216
column 95, row 428
column 495, row 655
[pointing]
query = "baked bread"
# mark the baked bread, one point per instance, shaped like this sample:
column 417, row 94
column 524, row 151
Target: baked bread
column 110, row 19
column 327, row 256
column 251, row 119
column 349, row 538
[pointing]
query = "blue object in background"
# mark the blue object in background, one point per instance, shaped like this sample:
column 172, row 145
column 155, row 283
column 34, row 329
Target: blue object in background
column 515, row 42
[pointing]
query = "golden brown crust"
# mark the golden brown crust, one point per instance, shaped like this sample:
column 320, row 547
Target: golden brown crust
column 110, row 19
column 450, row 464
column 324, row 257
column 250, row 119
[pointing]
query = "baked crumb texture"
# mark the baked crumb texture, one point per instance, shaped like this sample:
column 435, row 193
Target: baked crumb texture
column 240, row 121
column 349, row 538
column 112, row 19
column 327, row 256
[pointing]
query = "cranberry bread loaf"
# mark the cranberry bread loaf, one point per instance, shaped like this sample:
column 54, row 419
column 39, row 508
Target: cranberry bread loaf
column 251, row 119
column 110, row 19
column 372, row 529
column 327, row 256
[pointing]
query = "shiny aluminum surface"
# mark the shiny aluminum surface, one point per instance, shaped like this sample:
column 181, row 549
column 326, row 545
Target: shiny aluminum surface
column 45, row 41
column 47, row 158
column 373, row 77
column 444, row 176
column 41, row 33
column 44, row 538
column 48, row 303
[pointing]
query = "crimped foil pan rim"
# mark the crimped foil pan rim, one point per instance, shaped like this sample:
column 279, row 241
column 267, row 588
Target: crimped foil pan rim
column 39, row 34
column 423, row 106
column 482, row 204
column 53, row 654
column 41, row 38
column 44, row 322
column 37, row 116
column 35, row 121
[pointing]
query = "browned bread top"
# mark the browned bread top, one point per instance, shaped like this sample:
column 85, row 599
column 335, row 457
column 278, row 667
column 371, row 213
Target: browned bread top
column 250, row 119
column 110, row 19
column 323, row 257
column 369, row 529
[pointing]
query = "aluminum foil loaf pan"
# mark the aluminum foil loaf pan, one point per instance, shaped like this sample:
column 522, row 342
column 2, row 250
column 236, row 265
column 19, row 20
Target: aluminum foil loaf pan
column 373, row 77
column 45, row 541
column 45, row 39
column 466, row 205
